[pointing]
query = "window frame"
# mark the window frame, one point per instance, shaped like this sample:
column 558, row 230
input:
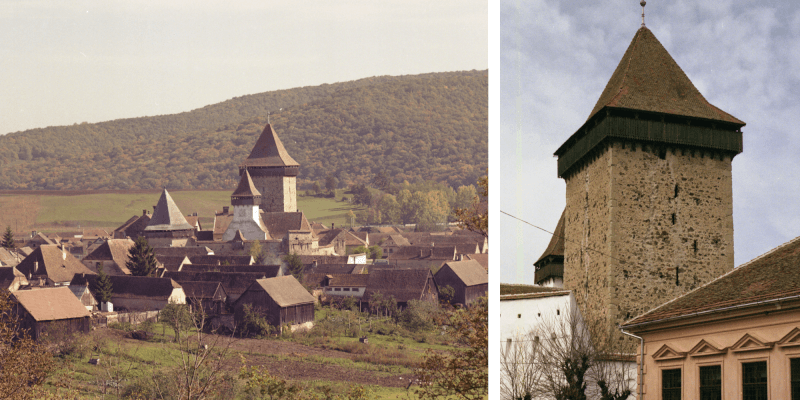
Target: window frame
column 721, row 377
column 742, row 363
column 665, row 368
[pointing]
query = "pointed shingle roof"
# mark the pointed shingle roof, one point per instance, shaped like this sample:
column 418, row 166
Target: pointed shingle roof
column 648, row 79
column 269, row 152
column 246, row 187
column 556, row 246
column 167, row 216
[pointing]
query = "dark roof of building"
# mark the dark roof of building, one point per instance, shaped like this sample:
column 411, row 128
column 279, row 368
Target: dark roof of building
column 202, row 289
column 8, row 257
column 9, row 275
column 314, row 280
column 51, row 304
column 132, row 286
column 326, row 237
column 235, row 283
column 269, row 151
column 771, row 276
column 648, row 79
column 403, row 284
column 556, row 245
column 331, row 268
column 284, row 290
column 470, row 272
column 270, row 271
column 117, row 250
column 357, row 280
column 424, row 253
column 193, row 221
column 172, row 263
column 221, row 223
column 59, row 266
column 167, row 216
column 221, row 259
column 205, row 235
column 280, row 223
column 308, row 260
column 246, row 187
column 134, row 226
column 181, row 251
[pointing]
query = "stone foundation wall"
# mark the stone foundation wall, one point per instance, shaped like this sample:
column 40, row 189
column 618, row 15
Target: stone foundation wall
column 663, row 220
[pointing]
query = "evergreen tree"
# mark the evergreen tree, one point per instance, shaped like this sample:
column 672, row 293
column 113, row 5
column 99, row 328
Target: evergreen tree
column 103, row 285
column 142, row 261
column 8, row 239
column 296, row 266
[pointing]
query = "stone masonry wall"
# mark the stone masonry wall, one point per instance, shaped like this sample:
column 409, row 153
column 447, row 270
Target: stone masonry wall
column 278, row 193
column 662, row 217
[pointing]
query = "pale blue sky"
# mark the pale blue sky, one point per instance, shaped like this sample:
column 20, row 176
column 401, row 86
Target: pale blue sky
column 556, row 58
column 69, row 62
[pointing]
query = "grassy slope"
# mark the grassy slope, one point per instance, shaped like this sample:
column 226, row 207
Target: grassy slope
column 110, row 210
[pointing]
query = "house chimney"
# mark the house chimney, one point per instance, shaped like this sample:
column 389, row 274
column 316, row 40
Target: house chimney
column 225, row 210
column 35, row 268
column 314, row 263
column 333, row 225
column 154, row 209
column 144, row 212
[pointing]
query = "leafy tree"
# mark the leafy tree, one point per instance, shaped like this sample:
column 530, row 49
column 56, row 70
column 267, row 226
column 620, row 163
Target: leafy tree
column 103, row 285
column 317, row 188
column 420, row 315
column 295, row 264
column 389, row 209
column 382, row 181
column 375, row 252
column 25, row 363
column 463, row 373
column 446, row 294
column 8, row 239
column 178, row 317
column 142, row 261
column 476, row 216
column 331, row 183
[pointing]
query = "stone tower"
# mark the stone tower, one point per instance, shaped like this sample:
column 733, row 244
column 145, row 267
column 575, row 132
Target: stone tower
column 246, row 200
column 274, row 173
column 168, row 227
column 648, row 176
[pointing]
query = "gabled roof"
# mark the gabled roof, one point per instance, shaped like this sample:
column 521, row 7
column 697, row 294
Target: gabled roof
column 172, row 263
column 269, row 152
column 221, row 259
column 132, row 286
column 284, row 290
column 167, row 216
column 330, row 235
column 57, row 265
column 117, row 250
column 357, row 280
column 403, row 284
column 331, row 268
column 772, row 276
column 51, row 304
column 470, row 272
column 203, row 290
column 648, row 79
column 246, row 187
column 308, row 260
column 482, row 258
column 221, row 223
column 424, row 253
column 269, row 271
column 234, row 283
column 134, row 226
column 556, row 246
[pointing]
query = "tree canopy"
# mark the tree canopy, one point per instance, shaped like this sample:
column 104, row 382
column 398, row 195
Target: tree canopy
column 142, row 261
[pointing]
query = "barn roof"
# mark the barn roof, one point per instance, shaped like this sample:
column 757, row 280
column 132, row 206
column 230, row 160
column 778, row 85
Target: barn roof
column 470, row 272
column 403, row 284
column 235, row 283
column 132, row 286
column 58, row 265
column 285, row 290
column 51, row 303
column 280, row 223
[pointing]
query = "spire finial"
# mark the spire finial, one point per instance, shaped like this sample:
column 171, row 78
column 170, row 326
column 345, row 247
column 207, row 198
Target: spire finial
column 643, row 3
column 268, row 111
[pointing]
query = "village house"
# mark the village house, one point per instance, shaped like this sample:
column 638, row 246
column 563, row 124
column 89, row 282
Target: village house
column 11, row 279
column 113, row 255
column 482, row 258
column 137, row 293
column 133, row 227
column 402, row 284
column 168, row 227
column 234, row 283
column 9, row 258
column 51, row 265
column 50, row 312
column 85, row 296
column 352, row 285
column 282, row 300
column 467, row 278
column 210, row 297
column 311, row 261
column 737, row 336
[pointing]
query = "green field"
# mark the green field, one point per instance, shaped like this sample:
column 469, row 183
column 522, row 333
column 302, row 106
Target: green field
column 51, row 212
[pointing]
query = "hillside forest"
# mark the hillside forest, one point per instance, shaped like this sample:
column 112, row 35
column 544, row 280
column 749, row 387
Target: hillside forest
column 414, row 128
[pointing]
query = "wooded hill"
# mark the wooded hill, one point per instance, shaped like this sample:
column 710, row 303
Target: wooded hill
column 431, row 126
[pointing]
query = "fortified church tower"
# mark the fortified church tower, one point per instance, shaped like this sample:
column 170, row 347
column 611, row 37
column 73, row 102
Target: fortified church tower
column 648, row 176
column 274, row 173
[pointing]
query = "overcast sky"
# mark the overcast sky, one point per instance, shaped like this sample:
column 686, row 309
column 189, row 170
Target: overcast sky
column 556, row 58
column 75, row 61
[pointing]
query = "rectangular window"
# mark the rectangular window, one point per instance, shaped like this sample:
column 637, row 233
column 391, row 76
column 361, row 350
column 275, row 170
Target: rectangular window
column 754, row 380
column 795, row 367
column 711, row 383
column 671, row 384
column 347, row 289
column 338, row 289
